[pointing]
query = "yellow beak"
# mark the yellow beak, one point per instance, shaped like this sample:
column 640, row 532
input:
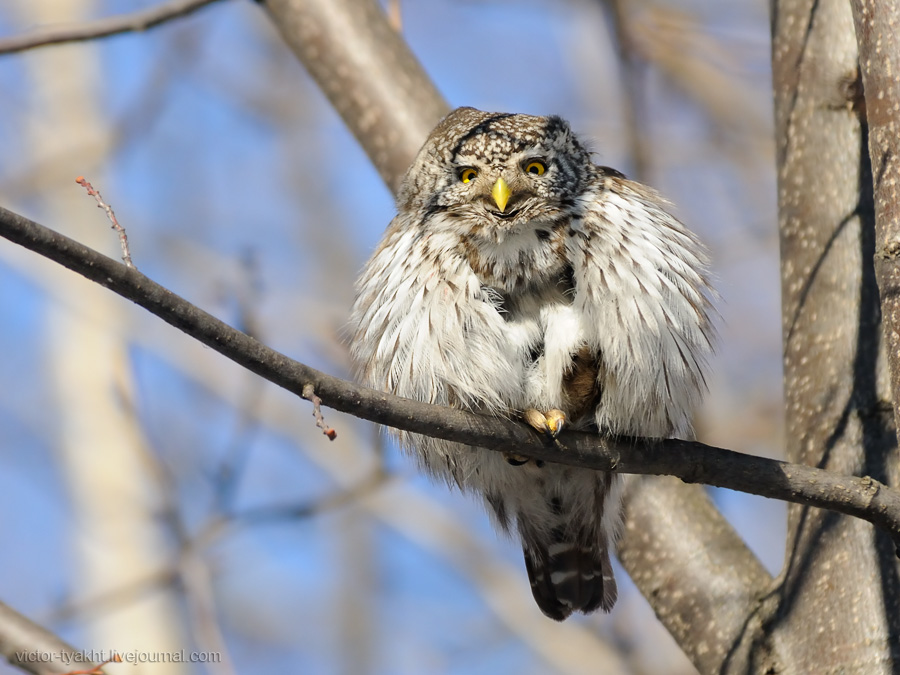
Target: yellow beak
column 501, row 192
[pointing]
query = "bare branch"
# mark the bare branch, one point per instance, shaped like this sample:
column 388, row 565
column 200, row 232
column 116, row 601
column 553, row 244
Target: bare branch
column 654, row 505
column 692, row 462
column 115, row 598
column 33, row 648
column 123, row 236
column 113, row 25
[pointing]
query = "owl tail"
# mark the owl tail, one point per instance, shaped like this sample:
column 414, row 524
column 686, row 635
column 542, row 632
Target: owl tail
column 568, row 577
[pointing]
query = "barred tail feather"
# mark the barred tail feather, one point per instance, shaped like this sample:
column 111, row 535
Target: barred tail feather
column 567, row 577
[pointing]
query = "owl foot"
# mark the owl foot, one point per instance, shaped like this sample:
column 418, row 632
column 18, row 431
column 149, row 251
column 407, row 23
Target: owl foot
column 550, row 423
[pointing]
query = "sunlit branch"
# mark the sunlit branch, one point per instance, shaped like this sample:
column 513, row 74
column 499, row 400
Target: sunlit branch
column 692, row 462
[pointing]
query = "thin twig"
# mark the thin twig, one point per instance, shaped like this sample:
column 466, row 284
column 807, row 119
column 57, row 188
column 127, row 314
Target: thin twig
column 309, row 393
column 113, row 25
column 693, row 462
column 248, row 292
column 96, row 670
column 370, row 484
column 221, row 526
column 214, row 530
column 116, row 598
column 123, row 236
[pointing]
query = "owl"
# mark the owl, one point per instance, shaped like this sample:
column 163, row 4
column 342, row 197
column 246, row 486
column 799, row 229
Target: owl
column 520, row 280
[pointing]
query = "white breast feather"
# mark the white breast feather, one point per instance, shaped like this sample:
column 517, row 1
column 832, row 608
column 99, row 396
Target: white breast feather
column 432, row 335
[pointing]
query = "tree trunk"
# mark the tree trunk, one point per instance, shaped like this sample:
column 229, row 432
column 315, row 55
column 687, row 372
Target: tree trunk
column 835, row 606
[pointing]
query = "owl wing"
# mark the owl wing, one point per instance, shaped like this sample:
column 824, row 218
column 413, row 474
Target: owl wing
column 641, row 293
column 641, row 290
column 423, row 326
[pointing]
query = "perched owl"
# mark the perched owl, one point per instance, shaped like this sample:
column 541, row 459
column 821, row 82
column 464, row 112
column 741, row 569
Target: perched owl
column 520, row 280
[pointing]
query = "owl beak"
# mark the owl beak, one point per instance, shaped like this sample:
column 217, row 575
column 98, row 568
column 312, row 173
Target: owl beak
column 501, row 192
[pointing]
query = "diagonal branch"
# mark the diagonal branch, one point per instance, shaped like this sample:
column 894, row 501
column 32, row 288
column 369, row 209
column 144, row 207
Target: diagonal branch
column 683, row 570
column 33, row 648
column 692, row 462
column 100, row 28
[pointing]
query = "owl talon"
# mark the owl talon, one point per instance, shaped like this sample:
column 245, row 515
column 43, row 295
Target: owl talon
column 556, row 420
column 550, row 423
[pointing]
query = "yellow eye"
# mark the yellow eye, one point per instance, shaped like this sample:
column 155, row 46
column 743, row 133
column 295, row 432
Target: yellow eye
column 467, row 175
column 537, row 168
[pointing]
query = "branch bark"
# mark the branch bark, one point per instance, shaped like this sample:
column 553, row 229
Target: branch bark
column 683, row 571
column 692, row 462
column 876, row 24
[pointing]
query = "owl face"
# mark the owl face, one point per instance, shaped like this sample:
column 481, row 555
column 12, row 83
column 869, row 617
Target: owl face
column 499, row 172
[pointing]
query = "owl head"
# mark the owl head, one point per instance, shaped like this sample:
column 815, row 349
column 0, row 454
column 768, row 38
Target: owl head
column 498, row 169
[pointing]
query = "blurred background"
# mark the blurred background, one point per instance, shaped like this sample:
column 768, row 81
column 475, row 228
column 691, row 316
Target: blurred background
column 155, row 497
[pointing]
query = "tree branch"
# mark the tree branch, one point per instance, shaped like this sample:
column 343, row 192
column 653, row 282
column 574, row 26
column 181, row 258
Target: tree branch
column 683, row 571
column 692, row 462
column 31, row 647
column 113, row 25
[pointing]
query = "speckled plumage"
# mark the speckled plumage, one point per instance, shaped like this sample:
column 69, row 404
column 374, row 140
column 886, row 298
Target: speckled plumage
column 580, row 294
